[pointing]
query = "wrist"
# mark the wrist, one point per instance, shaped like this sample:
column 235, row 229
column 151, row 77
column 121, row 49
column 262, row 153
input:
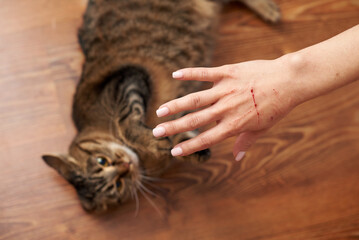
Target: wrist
column 297, row 68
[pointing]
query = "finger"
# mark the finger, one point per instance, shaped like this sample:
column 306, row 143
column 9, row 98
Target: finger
column 189, row 102
column 202, row 141
column 188, row 122
column 243, row 142
column 199, row 74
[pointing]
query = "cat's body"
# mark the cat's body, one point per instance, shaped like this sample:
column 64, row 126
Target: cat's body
column 131, row 47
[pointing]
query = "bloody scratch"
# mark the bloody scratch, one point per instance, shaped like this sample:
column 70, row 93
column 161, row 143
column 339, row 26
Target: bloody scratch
column 255, row 104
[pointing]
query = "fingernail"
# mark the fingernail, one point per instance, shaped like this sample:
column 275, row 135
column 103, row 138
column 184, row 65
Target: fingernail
column 176, row 151
column 177, row 74
column 159, row 131
column 162, row 111
column 240, row 155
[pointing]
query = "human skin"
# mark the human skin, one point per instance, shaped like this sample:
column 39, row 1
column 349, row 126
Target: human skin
column 248, row 98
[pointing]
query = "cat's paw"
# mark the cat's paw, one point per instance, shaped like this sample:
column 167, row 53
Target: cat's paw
column 266, row 9
column 197, row 157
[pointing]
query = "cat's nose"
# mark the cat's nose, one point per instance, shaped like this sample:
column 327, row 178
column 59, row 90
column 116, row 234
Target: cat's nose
column 110, row 172
column 122, row 168
column 126, row 165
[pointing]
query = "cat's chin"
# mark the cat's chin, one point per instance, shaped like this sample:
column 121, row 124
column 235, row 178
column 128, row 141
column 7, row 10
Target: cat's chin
column 104, row 203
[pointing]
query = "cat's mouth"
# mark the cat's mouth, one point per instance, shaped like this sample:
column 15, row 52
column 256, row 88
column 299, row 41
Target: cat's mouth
column 128, row 170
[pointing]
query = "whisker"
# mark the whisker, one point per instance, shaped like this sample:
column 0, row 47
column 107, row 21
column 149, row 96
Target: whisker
column 154, row 180
column 153, row 171
column 151, row 202
column 131, row 192
column 148, row 191
column 151, row 178
column 151, row 183
column 137, row 204
column 158, row 188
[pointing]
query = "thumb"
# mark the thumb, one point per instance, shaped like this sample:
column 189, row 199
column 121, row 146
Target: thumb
column 243, row 142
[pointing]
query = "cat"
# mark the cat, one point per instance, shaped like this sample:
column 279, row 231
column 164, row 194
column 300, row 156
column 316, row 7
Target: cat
column 131, row 47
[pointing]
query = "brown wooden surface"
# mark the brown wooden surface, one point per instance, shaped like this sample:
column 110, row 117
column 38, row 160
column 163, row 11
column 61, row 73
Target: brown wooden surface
column 300, row 181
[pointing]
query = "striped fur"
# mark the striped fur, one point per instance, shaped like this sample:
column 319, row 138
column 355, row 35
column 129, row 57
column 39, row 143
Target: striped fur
column 131, row 47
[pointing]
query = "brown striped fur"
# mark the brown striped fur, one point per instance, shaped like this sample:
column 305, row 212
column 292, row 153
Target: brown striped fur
column 131, row 47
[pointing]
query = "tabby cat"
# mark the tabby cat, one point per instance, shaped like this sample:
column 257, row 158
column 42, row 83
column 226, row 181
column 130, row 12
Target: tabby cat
column 131, row 47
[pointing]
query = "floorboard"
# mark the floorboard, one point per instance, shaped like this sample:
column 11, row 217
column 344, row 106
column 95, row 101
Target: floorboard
column 299, row 181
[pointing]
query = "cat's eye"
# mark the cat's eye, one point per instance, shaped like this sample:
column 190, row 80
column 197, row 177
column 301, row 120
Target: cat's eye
column 118, row 183
column 102, row 161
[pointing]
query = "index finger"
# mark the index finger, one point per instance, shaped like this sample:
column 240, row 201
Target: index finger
column 189, row 102
column 199, row 74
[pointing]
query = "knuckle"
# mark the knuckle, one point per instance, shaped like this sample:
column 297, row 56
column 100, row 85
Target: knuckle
column 247, row 144
column 190, row 73
column 214, row 113
column 173, row 106
column 204, row 74
column 170, row 127
column 234, row 124
column 229, row 70
column 218, row 109
column 193, row 121
column 228, row 132
column 205, row 142
column 195, row 101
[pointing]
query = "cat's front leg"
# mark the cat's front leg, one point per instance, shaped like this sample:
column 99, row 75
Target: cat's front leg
column 197, row 157
column 154, row 153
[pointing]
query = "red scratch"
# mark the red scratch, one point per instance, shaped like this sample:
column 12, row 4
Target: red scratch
column 244, row 115
column 275, row 92
column 255, row 104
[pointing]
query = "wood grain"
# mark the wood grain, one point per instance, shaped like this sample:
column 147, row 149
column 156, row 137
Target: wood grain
column 300, row 181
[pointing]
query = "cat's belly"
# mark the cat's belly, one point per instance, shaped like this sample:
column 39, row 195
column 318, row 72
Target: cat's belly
column 159, row 35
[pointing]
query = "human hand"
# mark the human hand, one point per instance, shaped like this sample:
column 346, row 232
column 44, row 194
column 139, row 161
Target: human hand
column 246, row 99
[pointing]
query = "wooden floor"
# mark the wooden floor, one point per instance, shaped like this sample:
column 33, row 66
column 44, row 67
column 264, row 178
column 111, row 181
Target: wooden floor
column 300, row 181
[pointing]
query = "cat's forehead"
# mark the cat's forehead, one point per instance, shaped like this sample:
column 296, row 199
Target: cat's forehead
column 86, row 150
column 115, row 150
column 115, row 147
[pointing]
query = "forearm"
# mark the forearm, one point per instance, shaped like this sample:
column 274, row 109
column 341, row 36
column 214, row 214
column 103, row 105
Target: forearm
column 250, row 97
column 325, row 66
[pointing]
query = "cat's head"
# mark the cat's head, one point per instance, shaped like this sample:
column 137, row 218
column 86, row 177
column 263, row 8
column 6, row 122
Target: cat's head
column 103, row 171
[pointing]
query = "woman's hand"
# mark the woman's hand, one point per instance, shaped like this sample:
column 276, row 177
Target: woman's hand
column 246, row 99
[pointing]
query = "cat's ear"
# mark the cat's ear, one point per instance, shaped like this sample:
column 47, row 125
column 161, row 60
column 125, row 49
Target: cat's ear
column 88, row 204
column 64, row 164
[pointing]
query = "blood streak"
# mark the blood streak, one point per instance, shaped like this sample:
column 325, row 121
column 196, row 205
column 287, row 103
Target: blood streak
column 245, row 115
column 255, row 104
